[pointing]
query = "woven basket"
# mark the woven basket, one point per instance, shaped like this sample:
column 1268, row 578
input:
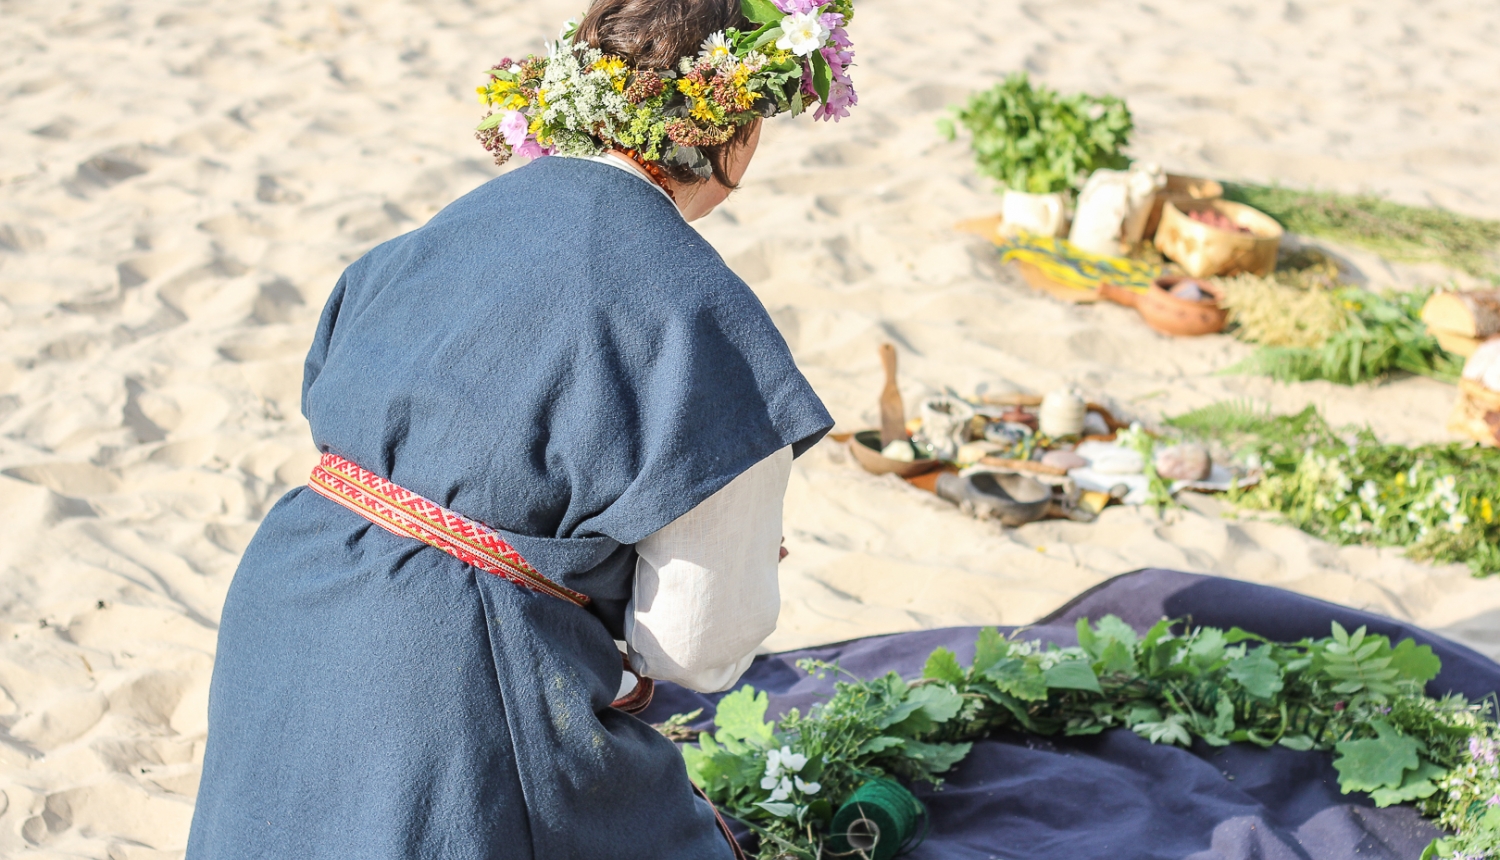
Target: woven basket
column 1180, row 188
column 1205, row 251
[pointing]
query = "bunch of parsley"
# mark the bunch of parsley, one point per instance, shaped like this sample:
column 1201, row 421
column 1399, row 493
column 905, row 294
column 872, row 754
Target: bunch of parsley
column 1036, row 140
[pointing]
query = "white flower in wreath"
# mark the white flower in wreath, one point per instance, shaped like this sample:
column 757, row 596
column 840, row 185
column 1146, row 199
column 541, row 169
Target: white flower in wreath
column 802, row 33
column 715, row 50
column 806, row 787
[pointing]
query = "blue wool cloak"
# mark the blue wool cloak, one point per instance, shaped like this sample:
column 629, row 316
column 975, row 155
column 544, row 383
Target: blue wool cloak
column 557, row 355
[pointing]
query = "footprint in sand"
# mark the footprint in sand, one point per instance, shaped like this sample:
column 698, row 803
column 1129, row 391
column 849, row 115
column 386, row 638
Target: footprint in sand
column 112, row 167
column 63, row 719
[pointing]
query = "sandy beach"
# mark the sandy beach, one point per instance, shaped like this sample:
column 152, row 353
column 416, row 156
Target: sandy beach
column 181, row 184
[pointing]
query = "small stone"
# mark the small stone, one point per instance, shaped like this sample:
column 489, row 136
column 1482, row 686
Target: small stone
column 1186, row 462
column 1063, row 460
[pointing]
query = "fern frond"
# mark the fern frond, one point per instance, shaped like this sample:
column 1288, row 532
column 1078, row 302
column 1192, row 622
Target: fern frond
column 1225, row 417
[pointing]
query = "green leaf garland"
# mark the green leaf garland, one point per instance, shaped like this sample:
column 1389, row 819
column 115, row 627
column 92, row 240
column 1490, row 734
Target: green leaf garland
column 1351, row 693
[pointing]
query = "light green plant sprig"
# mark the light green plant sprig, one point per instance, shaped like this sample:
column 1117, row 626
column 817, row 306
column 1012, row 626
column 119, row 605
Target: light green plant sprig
column 1396, row 231
column 1352, row 693
column 1438, row 502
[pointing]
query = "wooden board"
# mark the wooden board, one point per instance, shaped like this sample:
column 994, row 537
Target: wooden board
column 1476, row 414
column 1456, row 343
column 1474, row 314
column 1038, row 280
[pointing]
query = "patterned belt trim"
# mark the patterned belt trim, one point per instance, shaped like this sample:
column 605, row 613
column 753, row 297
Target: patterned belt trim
column 402, row 512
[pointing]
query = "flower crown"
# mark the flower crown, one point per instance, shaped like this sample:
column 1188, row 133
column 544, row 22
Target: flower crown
column 580, row 101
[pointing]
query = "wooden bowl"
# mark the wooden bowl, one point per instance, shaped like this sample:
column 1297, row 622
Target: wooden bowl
column 866, row 448
column 1180, row 188
column 1178, row 316
column 1205, row 251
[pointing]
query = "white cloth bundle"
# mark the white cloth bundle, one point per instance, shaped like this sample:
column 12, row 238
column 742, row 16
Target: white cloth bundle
column 1113, row 208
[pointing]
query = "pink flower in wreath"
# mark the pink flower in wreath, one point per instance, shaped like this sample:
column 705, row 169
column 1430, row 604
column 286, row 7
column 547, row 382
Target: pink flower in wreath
column 514, row 127
column 798, row 7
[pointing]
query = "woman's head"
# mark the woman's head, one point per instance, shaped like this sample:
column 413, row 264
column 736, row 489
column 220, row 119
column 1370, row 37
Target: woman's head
column 655, row 35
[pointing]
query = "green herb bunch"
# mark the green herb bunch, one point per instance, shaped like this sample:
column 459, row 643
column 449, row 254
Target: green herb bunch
column 1035, row 140
column 1438, row 501
column 1382, row 333
column 1351, row 693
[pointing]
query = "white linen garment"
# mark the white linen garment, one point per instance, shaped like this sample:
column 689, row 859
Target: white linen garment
column 705, row 592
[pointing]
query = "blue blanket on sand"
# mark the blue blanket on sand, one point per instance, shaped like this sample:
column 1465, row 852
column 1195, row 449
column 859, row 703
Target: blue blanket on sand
column 1116, row 795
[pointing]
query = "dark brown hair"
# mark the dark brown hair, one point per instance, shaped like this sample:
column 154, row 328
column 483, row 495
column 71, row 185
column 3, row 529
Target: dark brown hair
column 654, row 35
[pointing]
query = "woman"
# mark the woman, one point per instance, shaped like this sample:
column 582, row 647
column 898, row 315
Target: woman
column 553, row 420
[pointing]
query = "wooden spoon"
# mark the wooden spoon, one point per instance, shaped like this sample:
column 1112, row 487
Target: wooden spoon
column 892, row 412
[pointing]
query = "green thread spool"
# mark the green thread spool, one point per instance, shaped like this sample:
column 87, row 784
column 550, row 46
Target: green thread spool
column 876, row 823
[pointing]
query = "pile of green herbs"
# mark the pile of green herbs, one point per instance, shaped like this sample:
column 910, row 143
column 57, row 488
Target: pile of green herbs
column 1036, row 140
column 1380, row 333
column 1354, row 694
column 1412, row 233
column 1345, row 485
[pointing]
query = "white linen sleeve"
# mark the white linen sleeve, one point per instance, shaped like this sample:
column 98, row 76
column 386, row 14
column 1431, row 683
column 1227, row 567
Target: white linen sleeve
column 705, row 593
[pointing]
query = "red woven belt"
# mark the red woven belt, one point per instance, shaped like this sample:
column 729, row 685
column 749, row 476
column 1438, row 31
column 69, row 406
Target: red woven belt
column 402, row 512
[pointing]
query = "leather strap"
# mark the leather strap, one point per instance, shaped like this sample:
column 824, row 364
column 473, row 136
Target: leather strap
column 734, row 846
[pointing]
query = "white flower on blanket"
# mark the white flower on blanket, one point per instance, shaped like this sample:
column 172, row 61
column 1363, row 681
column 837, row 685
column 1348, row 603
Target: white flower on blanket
column 781, row 768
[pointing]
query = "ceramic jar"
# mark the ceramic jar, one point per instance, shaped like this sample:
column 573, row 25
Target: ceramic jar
column 1062, row 414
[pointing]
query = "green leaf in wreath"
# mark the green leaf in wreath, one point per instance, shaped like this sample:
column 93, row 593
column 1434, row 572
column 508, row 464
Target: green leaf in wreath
column 937, row 758
column 1415, row 662
column 1116, row 658
column 1172, row 730
column 1207, row 647
column 1296, row 742
column 1375, row 763
column 1072, row 675
column 1020, row 678
column 1257, row 673
column 822, row 75
column 1224, row 716
column 1087, row 640
column 780, row 810
column 1357, row 663
column 899, row 714
column 989, row 649
column 761, row 11
column 1415, row 785
column 742, row 715
column 770, row 35
column 942, row 665
column 1113, row 629
column 938, row 703
column 879, row 744
column 491, row 121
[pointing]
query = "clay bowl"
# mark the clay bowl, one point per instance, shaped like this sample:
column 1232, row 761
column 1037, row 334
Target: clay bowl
column 866, row 448
column 1205, row 251
column 1119, row 295
column 1178, row 316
